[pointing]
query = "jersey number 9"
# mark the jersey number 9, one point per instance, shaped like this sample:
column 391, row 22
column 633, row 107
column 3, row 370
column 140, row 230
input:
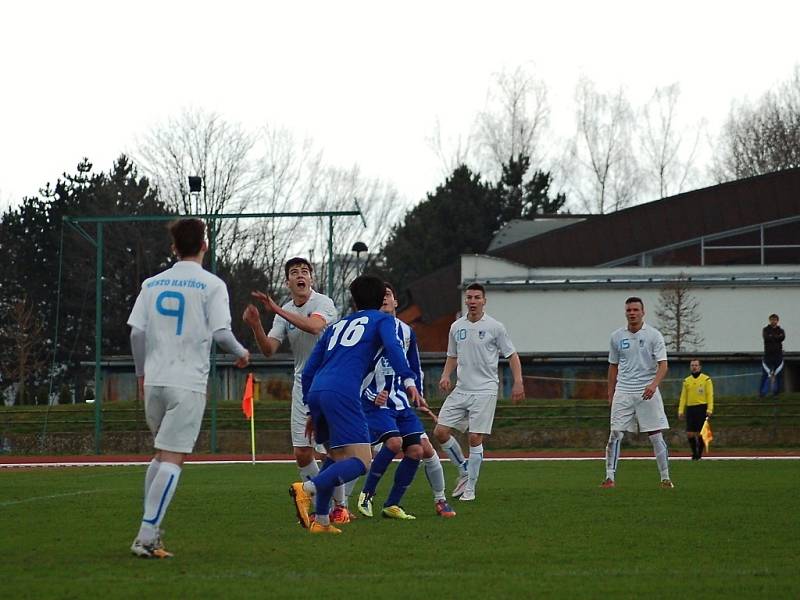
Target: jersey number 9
column 170, row 304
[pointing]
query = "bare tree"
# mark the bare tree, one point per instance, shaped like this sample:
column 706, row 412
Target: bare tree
column 340, row 189
column 762, row 137
column 450, row 152
column 22, row 332
column 512, row 124
column 204, row 144
column 668, row 158
column 288, row 175
column 605, row 174
column 678, row 315
column 514, row 120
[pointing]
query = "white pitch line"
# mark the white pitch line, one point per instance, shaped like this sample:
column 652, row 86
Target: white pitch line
column 291, row 461
column 50, row 497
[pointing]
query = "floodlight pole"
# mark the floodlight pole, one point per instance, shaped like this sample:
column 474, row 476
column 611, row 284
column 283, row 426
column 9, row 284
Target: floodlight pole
column 98, row 338
column 330, row 256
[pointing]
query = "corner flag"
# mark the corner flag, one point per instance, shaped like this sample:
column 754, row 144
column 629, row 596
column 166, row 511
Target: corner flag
column 247, row 399
column 249, row 411
column 706, row 433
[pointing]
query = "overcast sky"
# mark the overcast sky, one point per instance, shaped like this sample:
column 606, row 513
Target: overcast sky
column 366, row 80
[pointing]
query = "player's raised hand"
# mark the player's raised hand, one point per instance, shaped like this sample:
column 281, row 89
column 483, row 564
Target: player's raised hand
column 243, row 361
column 251, row 316
column 266, row 300
column 445, row 385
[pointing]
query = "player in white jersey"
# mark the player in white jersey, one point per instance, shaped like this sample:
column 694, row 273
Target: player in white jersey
column 637, row 363
column 176, row 317
column 474, row 346
column 301, row 320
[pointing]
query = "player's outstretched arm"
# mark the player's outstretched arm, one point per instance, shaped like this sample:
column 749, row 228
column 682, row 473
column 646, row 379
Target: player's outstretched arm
column 313, row 324
column 267, row 345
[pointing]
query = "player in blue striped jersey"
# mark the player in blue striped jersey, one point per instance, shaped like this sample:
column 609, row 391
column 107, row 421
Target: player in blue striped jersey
column 332, row 378
column 395, row 427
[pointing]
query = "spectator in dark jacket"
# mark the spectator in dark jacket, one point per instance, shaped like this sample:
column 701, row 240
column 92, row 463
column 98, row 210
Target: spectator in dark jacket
column 772, row 365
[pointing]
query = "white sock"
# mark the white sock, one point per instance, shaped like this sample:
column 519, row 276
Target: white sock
column 339, row 495
column 474, row 464
column 160, row 494
column 309, row 487
column 612, row 453
column 348, row 490
column 453, row 450
column 661, row 453
column 152, row 469
column 310, row 471
column 435, row 476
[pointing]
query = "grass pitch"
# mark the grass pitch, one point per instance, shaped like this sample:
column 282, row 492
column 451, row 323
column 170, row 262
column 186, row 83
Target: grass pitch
column 538, row 529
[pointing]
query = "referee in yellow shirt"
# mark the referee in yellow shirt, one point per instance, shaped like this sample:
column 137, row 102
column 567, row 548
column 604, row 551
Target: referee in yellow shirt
column 697, row 403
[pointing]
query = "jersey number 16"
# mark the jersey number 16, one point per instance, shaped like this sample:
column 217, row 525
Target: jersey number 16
column 353, row 331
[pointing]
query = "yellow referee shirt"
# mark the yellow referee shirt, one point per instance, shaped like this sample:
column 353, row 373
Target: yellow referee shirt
column 697, row 390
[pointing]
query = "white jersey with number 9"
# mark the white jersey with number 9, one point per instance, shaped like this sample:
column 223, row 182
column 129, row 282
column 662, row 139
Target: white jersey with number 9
column 179, row 310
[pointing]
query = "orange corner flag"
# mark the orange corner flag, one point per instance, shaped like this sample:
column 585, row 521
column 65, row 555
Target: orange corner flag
column 247, row 399
column 706, row 433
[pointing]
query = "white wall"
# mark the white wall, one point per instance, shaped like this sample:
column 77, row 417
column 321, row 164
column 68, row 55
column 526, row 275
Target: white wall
column 576, row 320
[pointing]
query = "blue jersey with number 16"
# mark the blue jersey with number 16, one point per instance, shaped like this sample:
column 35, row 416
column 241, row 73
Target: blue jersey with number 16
column 350, row 349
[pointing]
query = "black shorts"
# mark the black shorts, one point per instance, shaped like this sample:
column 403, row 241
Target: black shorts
column 695, row 416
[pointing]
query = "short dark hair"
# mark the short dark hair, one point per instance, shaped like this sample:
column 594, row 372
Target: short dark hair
column 389, row 286
column 476, row 286
column 297, row 260
column 188, row 236
column 633, row 299
column 368, row 292
column 774, row 316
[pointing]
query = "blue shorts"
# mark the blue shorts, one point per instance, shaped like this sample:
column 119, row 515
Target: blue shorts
column 338, row 419
column 385, row 422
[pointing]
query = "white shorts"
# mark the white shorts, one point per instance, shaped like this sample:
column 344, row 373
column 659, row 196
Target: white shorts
column 298, row 421
column 631, row 412
column 174, row 415
column 463, row 410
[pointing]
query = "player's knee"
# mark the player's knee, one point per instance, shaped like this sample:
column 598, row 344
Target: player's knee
column 303, row 456
column 395, row 444
column 414, row 452
column 475, row 439
column 427, row 448
column 441, row 433
column 411, row 440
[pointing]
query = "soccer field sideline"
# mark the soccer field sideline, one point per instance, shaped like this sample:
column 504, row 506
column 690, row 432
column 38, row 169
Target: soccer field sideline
column 32, row 462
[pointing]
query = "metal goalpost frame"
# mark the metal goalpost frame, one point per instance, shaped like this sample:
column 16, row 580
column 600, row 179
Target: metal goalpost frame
column 75, row 224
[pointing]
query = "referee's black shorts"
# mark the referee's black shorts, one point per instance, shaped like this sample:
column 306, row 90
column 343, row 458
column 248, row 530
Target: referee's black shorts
column 695, row 416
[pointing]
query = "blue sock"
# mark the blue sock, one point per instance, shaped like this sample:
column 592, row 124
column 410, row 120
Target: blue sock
column 380, row 463
column 336, row 474
column 402, row 479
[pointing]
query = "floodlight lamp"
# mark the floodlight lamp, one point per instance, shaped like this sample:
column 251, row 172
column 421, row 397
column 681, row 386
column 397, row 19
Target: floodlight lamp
column 195, row 184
